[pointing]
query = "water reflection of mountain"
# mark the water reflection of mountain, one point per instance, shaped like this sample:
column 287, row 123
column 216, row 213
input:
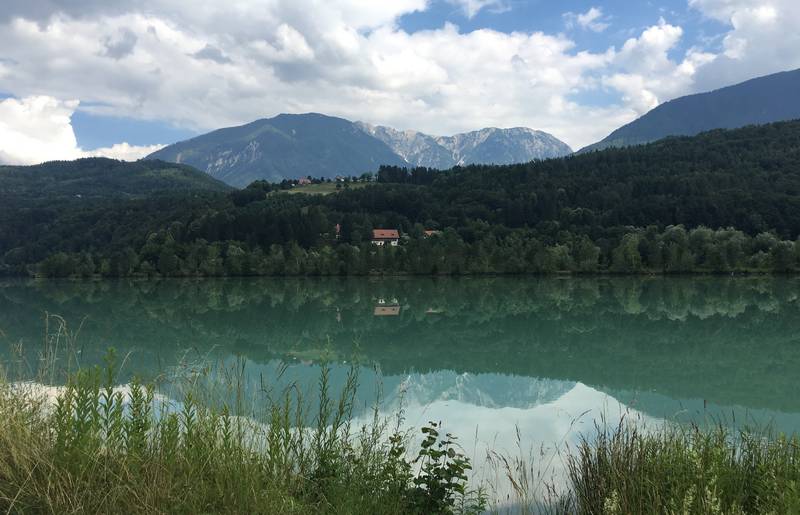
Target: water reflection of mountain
column 731, row 341
column 414, row 388
column 488, row 390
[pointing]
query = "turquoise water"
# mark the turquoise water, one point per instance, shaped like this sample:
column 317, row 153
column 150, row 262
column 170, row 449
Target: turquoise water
column 493, row 358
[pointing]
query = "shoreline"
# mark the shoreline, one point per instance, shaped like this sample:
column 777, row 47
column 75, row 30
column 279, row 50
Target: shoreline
column 564, row 273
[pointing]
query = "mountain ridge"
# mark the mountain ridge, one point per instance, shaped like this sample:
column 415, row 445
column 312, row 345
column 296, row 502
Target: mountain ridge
column 291, row 146
column 506, row 146
column 760, row 100
column 285, row 146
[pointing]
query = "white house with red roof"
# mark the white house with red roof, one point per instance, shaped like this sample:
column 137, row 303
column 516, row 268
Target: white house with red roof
column 382, row 237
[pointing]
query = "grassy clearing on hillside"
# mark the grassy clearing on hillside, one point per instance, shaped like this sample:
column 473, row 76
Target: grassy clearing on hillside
column 324, row 188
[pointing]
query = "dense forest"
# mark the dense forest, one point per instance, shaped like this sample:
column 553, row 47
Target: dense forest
column 722, row 201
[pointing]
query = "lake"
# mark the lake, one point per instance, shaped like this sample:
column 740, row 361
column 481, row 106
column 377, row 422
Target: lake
column 519, row 365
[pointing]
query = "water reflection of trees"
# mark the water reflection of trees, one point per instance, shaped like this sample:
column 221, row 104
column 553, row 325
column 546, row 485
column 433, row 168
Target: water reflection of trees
column 731, row 340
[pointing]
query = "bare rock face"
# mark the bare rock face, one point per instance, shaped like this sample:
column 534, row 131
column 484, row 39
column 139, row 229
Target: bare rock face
column 484, row 146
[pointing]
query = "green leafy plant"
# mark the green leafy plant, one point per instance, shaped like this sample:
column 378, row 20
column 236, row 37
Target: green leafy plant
column 441, row 484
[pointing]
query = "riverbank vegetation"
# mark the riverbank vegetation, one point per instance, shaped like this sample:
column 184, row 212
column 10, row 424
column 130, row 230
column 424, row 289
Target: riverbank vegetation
column 679, row 470
column 91, row 447
column 720, row 202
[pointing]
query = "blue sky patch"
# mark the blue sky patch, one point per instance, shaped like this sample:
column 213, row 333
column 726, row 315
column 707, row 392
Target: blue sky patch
column 93, row 131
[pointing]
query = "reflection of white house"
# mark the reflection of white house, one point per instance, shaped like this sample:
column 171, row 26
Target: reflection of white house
column 386, row 311
column 383, row 308
column 385, row 237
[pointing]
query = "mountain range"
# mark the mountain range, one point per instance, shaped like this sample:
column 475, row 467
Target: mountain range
column 771, row 98
column 485, row 146
column 291, row 146
column 284, row 147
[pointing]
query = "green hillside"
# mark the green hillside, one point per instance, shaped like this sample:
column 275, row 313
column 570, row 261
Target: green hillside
column 101, row 177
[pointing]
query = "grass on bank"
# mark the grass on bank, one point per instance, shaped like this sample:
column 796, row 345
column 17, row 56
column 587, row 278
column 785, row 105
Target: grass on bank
column 97, row 449
column 679, row 470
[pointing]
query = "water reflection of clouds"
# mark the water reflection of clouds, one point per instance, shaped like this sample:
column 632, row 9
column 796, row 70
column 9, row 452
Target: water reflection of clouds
column 536, row 420
column 486, row 356
column 539, row 434
column 532, row 418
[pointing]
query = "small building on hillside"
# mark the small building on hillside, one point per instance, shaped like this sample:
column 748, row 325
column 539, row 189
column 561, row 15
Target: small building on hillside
column 303, row 181
column 431, row 232
column 382, row 237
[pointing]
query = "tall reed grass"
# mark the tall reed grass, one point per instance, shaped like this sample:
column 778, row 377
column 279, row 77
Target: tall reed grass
column 685, row 470
column 672, row 469
column 97, row 449
column 93, row 446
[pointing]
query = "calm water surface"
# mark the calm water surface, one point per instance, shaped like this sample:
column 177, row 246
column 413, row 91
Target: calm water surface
column 491, row 358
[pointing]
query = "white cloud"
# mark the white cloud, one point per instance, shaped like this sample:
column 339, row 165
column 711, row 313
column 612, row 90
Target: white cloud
column 440, row 81
column 472, row 7
column 123, row 151
column 592, row 19
column 646, row 75
column 721, row 10
column 37, row 129
column 210, row 65
column 762, row 38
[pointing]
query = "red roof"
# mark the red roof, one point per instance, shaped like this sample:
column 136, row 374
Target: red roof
column 385, row 234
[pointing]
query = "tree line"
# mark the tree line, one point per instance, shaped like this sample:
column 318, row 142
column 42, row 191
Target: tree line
column 720, row 202
column 673, row 250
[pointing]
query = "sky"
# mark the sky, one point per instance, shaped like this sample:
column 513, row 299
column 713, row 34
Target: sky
column 123, row 78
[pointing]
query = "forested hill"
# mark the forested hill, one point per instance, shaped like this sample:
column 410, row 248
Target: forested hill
column 101, row 177
column 722, row 201
column 747, row 178
column 771, row 98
